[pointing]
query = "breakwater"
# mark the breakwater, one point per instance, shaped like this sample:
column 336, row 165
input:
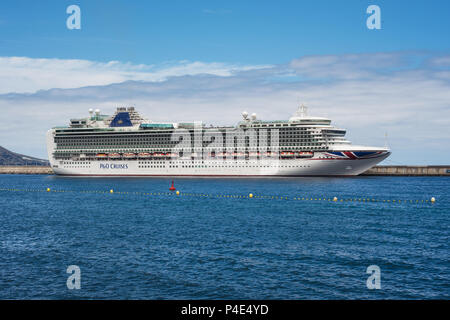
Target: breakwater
column 25, row 170
column 408, row 171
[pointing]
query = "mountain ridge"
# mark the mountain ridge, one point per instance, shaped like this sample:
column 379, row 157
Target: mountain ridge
column 9, row 158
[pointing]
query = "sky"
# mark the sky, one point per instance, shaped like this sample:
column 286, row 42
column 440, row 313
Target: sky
column 210, row 60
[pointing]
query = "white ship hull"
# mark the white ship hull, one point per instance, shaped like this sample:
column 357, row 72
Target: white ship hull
column 295, row 167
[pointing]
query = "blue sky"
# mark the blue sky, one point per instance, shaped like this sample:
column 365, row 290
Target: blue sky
column 210, row 60
column 229, row 31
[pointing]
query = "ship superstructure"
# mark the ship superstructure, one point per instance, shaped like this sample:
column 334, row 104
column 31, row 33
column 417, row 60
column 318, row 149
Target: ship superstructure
column 126, row 144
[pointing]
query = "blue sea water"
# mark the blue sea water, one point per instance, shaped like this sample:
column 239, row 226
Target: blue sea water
column 139, row 246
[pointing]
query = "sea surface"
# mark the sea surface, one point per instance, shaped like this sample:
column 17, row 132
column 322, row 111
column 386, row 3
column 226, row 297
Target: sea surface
column 214, row 242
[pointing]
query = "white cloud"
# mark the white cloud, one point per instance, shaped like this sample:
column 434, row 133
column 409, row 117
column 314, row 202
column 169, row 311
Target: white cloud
column 350, row 66
column 442, row 61
column 368, row 94
column 22, row 74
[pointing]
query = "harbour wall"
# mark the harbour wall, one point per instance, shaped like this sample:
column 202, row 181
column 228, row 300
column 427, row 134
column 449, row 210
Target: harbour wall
column 25, row 170
column 408, row 171
column 375, row 171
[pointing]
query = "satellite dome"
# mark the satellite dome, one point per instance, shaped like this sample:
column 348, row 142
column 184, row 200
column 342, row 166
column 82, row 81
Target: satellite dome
column 245, row 114
column 253, row 116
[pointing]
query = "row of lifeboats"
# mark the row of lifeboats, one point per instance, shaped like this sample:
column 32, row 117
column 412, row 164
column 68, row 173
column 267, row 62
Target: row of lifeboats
column 291, row 154
column 142, row 155
column 283, row 154
column 145, row 155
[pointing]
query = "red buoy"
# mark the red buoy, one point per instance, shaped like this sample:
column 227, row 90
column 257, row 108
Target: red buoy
column 172, row 188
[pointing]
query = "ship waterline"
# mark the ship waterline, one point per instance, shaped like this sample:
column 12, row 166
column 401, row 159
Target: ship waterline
column 126, row 144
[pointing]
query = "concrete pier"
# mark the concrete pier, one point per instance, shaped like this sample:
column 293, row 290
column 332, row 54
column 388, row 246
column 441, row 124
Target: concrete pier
column 25, row 170
column 408, row 171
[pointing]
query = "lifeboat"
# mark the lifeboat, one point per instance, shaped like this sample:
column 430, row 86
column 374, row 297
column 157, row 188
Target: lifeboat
column 102, row 155
column 158, row 155
column 129, row 155
column 144, row 155
column 171, row 155
column 114, row 155
column 306, row 154
column 287, row 154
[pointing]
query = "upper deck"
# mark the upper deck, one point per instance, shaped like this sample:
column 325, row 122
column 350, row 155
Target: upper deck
column 127, row 131
column 128, row 119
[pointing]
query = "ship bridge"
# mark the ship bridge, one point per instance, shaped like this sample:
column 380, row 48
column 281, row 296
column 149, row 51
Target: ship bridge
column 124, row 117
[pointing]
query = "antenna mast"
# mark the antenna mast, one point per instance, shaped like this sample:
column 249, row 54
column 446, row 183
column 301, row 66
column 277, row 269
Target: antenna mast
column 386, row 144
column 303, row 110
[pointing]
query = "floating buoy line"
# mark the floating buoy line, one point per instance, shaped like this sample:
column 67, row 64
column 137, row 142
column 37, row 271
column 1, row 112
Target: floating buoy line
column 180, row 194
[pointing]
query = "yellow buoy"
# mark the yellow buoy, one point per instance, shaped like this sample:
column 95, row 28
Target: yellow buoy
column 178, row 193
column 335, row 199
column 433, row 200
column 111, row 191
column 48, row 190
column 250, row 195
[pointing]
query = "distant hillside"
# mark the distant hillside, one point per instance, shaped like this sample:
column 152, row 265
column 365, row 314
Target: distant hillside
column 8, row 158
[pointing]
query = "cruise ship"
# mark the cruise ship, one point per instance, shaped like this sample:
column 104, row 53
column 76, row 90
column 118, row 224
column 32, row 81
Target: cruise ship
column 126, row 144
